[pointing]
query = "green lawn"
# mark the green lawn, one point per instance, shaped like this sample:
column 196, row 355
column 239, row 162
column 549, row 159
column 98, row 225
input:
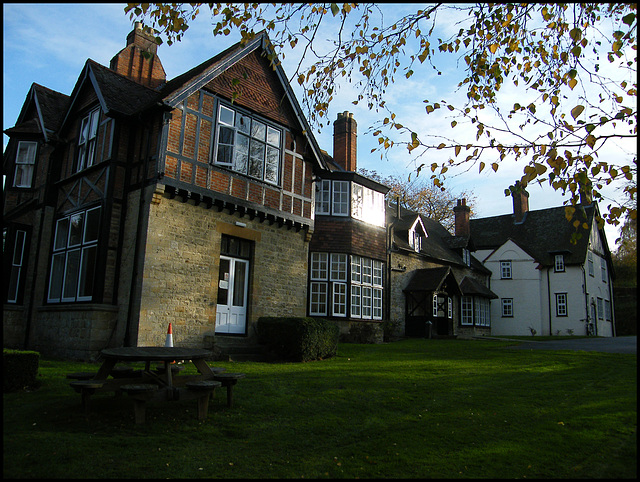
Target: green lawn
column 413, row 408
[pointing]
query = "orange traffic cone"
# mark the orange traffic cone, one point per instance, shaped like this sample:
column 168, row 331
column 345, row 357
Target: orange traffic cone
column 169, row 341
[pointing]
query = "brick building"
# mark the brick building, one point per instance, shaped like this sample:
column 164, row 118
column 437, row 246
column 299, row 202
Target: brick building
column 203, row 201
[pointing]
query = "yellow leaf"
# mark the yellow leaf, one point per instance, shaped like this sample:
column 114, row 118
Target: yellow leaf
column 573, row 83
column 576, row 111
column 458, row 150
column 494, row 166
column 481, row 167
column 493, row 48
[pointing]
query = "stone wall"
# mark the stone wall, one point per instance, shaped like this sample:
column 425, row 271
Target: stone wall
column 180, row 279
column 73, row 331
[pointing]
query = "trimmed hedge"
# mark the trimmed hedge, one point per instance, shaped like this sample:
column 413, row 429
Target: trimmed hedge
column 19, row 369
column 298, row 339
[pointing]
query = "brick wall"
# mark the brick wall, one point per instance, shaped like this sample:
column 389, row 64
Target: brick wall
column 345, row 235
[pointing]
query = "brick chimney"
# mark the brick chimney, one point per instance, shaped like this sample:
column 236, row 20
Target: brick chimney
column 138, row 61
column 344, row 141
column 462, row 212
column 520, row 202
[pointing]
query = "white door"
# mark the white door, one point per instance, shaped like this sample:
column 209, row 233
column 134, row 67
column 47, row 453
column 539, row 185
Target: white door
column 231, row 310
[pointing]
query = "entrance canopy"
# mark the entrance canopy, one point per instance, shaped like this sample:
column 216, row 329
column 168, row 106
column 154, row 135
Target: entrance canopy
column 434, row 279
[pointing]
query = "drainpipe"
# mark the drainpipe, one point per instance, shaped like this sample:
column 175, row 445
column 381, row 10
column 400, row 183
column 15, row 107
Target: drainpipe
column 586, row 297
column 549, row 301
column 613, row 318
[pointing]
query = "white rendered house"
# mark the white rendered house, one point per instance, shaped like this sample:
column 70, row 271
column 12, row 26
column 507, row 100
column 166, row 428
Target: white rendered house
column 544, row 282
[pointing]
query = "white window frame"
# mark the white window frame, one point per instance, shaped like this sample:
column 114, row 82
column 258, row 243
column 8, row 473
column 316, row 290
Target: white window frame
column 507, row 307
column 366, row 288
column 73, row 251
column 319, row 266
column 323, row 196
column 466, row 315
column 603, row 269
column 262, row 157
column 339, row 305
column 87, row 139
column 466, row 256
column 590, row 263
column 607, row 310
column 340, row 204
column 506, row 270
column 25, row 164
column 17, row 262
column 318, row 300
column 338, row 267
column 561, row 305
column 558, row 266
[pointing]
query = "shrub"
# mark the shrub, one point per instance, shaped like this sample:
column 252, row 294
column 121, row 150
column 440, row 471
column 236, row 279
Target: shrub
column 298, row 339
column 19, row 369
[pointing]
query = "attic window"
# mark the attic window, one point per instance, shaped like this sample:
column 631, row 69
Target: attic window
column 25, row 160
column 559, row 263
column 466, row 256
column 87, row 140
column 248, row 145
column 415, row 240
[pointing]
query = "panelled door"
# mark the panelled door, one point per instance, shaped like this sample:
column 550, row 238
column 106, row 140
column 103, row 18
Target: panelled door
column 231, row 310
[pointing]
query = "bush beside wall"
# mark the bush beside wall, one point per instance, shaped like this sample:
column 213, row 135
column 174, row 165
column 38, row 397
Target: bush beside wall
column 298, row 339
column 19, row 369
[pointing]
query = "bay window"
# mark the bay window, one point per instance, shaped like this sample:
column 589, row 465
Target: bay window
column 334, row 293
column 346, row 198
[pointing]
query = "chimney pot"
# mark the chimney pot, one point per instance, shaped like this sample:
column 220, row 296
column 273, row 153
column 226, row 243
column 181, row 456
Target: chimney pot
column 462, row 213
column 345, row 136
column 520, row 202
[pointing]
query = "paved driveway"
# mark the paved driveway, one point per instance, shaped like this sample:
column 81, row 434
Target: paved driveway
column 620, row 344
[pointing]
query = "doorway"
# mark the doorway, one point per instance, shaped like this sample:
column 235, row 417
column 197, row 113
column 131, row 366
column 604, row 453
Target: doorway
column 231, row 308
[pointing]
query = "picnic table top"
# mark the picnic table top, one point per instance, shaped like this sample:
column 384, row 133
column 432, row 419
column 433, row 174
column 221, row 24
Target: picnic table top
column 155, row 353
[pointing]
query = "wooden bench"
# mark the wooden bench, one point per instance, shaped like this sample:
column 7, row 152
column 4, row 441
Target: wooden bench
column 122, row 372
column 204, row 388
column 140, row 392
column 228, row 380
column 175, row 369
column 86, row 388
column 81, row 375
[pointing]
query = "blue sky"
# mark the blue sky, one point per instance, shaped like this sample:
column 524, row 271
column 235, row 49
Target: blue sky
column 49, row 44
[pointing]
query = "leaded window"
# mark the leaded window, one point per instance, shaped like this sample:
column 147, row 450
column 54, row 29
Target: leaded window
column 248, row 145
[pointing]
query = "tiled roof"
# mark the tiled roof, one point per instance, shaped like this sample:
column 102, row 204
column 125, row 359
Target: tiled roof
column 431, row 279
column 52, row 106
column 120, row 94
column 542, row 233
column 471, row 286
column 435, row 245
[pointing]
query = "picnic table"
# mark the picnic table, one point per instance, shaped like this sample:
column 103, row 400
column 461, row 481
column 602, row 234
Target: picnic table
column 151, row 384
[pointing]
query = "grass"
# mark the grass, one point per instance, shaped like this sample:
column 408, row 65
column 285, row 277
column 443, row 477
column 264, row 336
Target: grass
column 409, row 409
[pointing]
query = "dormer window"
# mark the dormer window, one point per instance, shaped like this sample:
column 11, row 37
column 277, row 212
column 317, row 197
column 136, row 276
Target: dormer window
column 416, row 233
column 415, row 240
column 559, row 263
column 87, row 140
column 25, row 161
column 466, row 256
